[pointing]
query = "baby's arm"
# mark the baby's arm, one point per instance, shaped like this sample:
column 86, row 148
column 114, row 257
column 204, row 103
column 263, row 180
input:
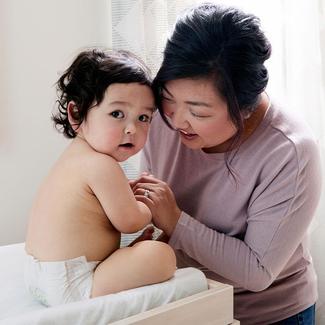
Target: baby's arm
column 107, row 181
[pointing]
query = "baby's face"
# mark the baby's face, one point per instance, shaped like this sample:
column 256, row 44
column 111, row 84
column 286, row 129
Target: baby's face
column 119, row 125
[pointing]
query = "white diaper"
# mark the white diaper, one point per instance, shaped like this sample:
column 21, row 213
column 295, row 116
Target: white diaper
column 59, row 282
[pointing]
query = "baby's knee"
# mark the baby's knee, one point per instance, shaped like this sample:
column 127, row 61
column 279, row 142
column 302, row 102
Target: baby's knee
column 165, row 254
column 158, row 254
column 154, row 248
column 168, row 259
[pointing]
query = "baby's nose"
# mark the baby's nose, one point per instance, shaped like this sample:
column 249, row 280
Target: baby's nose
column 130, row 128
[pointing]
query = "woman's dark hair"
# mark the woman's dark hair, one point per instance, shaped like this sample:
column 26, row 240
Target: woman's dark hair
column 224, row 45
column 87, row 79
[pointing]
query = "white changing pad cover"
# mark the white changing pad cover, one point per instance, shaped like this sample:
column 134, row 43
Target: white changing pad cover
column 17, row 307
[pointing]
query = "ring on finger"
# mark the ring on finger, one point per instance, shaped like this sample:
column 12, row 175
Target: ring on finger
column 146, row 193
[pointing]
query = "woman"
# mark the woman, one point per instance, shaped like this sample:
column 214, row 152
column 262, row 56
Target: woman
column 232, row 181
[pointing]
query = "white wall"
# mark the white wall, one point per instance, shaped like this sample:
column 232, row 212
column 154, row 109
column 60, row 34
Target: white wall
column 38, row 39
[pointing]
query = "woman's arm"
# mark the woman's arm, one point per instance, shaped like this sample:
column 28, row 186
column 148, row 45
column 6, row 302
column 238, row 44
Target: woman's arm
column 278, row 216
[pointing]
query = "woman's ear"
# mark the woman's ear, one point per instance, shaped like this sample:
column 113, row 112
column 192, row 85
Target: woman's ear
column 73, row 115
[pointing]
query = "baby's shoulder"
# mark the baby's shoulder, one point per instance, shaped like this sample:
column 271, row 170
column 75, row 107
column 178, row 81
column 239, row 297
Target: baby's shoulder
column 102, row 169
column 88, row 165
column 99, row 162
column 95, row 157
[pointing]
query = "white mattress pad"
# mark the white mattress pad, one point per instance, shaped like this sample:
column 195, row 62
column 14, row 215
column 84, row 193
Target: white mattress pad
column 17, row 307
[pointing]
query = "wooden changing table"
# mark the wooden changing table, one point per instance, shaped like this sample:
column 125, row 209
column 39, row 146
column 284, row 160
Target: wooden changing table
column 213, row 306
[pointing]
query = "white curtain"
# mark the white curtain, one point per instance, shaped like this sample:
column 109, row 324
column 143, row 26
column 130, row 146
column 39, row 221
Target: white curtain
column 142, row 26
column 296, row 30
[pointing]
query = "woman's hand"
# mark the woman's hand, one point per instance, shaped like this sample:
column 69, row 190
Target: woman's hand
column 160, row 199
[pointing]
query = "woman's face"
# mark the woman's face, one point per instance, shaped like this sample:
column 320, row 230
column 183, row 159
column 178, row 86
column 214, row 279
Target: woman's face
column 198, row 113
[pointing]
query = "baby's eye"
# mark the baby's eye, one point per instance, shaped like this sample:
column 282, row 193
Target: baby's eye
column 144, row 118
column 117, row 114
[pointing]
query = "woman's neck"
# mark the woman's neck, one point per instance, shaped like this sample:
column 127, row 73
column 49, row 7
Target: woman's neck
column 255, row 119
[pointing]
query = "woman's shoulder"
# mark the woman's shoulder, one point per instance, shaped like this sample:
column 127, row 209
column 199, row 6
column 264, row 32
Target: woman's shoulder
column 282, row 141
column 290, row 127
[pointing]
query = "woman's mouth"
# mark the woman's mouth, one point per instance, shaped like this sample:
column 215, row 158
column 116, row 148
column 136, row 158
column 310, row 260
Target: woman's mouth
column 187, row 135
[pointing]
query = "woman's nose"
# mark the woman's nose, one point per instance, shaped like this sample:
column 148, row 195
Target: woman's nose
column 177, row 119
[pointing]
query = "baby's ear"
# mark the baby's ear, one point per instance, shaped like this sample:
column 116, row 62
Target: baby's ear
column 73, row 115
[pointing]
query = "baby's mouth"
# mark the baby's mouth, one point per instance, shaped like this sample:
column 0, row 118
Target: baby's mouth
column 128, row 145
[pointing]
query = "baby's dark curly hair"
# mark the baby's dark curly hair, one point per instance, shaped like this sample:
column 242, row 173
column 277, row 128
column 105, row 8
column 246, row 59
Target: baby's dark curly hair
column 87, row 79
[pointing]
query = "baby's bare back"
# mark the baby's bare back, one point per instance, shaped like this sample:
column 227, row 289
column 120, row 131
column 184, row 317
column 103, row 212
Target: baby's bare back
column 66, row 219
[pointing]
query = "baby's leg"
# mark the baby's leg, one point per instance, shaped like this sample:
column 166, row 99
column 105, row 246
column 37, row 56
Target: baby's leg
column 147, row 262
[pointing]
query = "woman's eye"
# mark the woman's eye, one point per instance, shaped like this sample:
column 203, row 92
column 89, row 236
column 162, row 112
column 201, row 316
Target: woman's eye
column 168, row 100
column 197, row 115
column 144, row 118
column 117, row 114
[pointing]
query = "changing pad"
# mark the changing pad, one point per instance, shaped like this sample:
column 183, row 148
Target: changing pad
column 17, row 307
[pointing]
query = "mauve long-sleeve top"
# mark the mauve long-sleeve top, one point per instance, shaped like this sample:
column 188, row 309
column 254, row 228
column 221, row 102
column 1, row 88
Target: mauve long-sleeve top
column 251, row 232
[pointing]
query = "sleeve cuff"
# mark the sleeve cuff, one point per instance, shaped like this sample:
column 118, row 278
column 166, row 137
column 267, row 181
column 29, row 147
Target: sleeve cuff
column 176, row 237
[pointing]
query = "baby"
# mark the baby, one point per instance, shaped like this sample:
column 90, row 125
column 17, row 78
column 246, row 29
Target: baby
column 105, row 105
